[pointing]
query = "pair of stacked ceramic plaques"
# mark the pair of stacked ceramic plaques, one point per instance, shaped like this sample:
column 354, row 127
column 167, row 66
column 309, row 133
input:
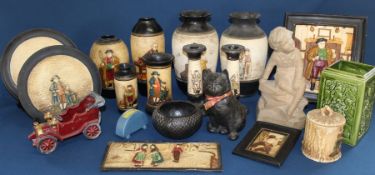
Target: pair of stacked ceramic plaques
column 44, row 71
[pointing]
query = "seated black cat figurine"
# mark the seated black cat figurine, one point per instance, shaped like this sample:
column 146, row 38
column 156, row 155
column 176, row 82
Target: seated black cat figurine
column 226, row 113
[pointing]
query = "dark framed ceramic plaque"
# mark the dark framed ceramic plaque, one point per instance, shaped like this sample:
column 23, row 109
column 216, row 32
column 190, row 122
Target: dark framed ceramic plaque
column 324, row 40
column 55, row 78
column 179, row 156
column 267, row 142
column 21, row 47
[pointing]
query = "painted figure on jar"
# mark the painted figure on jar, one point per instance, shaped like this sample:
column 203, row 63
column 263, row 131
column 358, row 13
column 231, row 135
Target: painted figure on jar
column 140, row 155
column 164, row 92
column 177, row 150
column 234, row 83
column 141, row 64
column 155, row 86
column 108, row 68
column 129, row 96
column 318, row 58
column 57, row 90
column 196, row 81
column 156, row 156
column 245, row 65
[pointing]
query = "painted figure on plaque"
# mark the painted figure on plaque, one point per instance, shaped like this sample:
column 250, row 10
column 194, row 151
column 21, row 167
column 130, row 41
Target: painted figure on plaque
column 245, row 65
column 155, row 87
column 282, row 100
column 107, row 66
column 156, row 156
column 177, row 151
column 318, row 58
column 140, row 156
column 140, row 62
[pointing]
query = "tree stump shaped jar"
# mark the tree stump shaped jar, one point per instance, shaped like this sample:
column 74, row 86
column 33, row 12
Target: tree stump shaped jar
column 147, row 37
column 245, row 31
column 107, row 52
column 195, row 28
column 159, row 75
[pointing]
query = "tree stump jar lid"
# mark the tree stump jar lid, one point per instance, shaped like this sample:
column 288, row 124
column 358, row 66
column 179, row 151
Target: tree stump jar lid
column 147, row 26
column 326, row 117
column 125, row 71
column 107, row 39
column 194, row 51
column 195, row 21
column 158, row 59
column 233, row 51
column 244, row 25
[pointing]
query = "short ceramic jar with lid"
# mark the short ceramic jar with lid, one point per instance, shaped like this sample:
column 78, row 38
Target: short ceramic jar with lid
column 126, row 86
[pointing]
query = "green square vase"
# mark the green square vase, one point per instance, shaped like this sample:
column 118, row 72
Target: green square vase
column 348, row 88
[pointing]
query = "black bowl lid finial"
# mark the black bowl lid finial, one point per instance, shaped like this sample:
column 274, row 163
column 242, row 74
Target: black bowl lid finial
column 194, row 50
column 233, row 51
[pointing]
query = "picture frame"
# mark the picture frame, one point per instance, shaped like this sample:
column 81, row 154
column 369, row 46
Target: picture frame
column 344, row 40
column 268, row 142
column 141, row 156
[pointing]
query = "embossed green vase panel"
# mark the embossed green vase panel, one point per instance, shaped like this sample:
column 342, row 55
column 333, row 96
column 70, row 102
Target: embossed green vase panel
column 348, row 87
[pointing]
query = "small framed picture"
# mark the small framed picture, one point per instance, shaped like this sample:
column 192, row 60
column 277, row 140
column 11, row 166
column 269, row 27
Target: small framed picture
column 268, row 143
column 323, row 40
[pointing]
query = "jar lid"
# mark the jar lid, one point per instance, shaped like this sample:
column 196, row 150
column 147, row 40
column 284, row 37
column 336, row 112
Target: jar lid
column 107, row 39
column 326, row 117
column 158, row 59
column 194, row 51
column 125, row 71
column 146, row 26
column 233, row 51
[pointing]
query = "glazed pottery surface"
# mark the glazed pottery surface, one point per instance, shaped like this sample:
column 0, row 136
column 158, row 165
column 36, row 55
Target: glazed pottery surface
column 245, row 31
column 107, row 52
column 233, row 53
column 177, row 119
column 195, row 28
column 348, row 88
column 126, row 86
column 21, row 47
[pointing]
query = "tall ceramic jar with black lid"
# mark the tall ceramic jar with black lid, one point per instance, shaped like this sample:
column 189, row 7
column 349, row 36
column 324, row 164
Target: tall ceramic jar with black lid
column 107, row 52
column 195, row 28
column 245, row 31
column 126, row 87
column 159, row 79
column 147, row 37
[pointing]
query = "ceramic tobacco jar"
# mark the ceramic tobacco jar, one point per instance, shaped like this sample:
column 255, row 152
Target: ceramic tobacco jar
column 159, row 84
column 195, row 28
column 194, row 85
column 147, row 37
column 107, row 52
column 126, row 86
column 323, row 135
column 245, row 31
column 233, row 53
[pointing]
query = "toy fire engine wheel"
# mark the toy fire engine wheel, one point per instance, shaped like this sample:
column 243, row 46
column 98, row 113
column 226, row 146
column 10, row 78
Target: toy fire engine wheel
column 47, row 144
column 92, row 131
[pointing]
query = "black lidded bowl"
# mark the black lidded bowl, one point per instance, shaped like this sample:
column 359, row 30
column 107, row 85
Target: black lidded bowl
column 177, row 119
